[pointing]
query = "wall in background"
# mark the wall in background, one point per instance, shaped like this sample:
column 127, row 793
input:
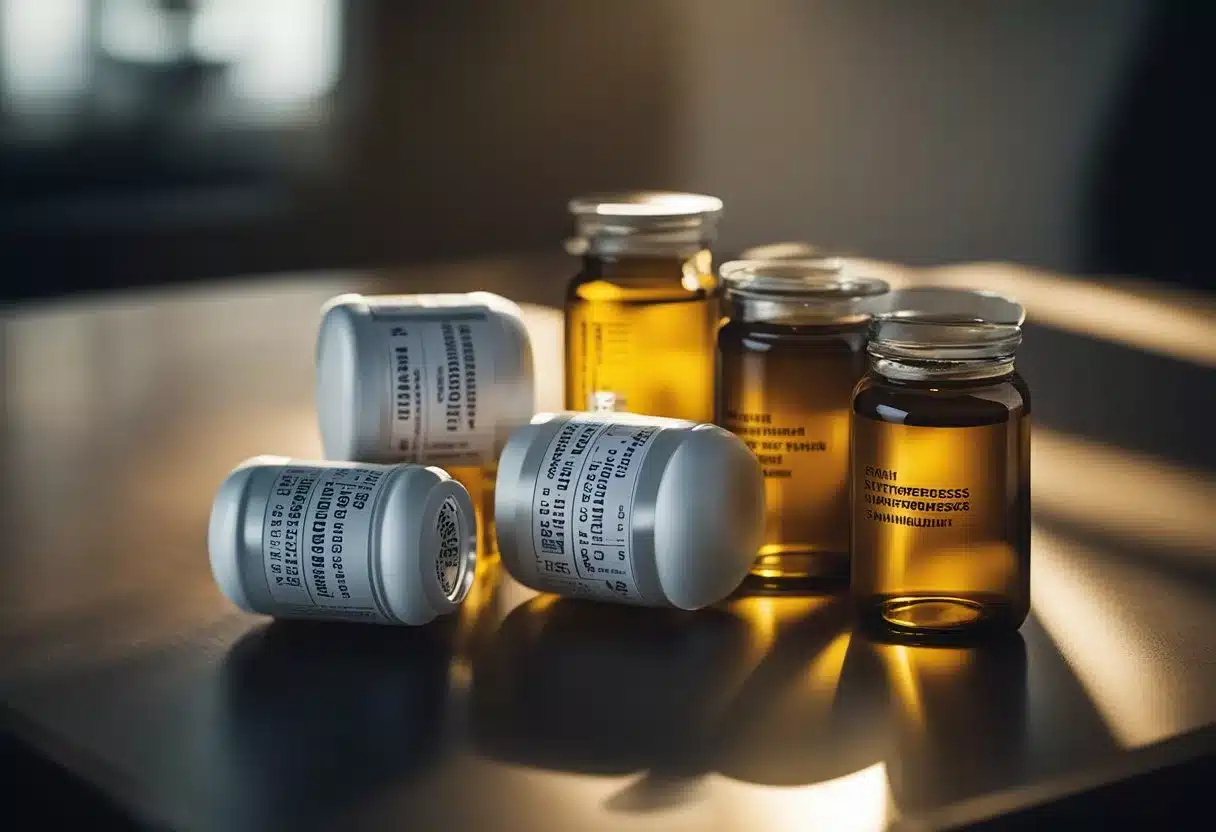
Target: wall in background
column 927, row 132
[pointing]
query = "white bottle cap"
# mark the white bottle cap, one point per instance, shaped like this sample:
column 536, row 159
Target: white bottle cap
column 393, row 544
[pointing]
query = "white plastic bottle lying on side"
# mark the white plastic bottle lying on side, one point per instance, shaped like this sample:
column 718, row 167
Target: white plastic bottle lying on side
column 433, row 379
column 390, row 544
column 634, row 509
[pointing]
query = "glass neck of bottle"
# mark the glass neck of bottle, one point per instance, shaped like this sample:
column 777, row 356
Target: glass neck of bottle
column 796, row 311
column 693, row 268
column 929, row 369
column 610, row 248
column 597, row 261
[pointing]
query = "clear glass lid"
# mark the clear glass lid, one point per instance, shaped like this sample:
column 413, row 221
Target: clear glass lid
column 643, row 221
column 944, row 324
column 645, row 207
column 814, row 290
column 825, row 279
column 954, row 304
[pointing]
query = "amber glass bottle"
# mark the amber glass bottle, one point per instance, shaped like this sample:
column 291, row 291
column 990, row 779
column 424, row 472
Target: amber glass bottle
column 941, row 475
column 790, row 352
column 640, row 315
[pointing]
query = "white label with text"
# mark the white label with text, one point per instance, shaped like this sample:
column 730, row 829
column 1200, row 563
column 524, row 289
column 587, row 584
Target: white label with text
column 441, row 369
column 316, row 542
column 582, row 508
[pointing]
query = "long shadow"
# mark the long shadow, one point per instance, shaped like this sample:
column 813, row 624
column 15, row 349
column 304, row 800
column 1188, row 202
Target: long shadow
column 956, row 722
column 1190, row 569
column 316, row 718
column 1119, row 395
column 576, row 686
column 58, row 785
column 773, row 691
column 781, row 727
column 953, row 718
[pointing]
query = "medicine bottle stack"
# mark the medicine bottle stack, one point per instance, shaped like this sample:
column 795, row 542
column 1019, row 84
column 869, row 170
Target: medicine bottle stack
column 782, row 419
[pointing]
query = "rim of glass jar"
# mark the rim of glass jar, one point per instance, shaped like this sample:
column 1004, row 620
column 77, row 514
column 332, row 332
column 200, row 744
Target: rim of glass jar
column 663, row 223
column 639, row 210
column 826, row 280
column 952, row 303
column 926, row 337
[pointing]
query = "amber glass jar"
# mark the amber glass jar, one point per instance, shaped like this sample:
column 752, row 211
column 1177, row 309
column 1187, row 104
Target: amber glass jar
column 941, row 470
column 640, row 315
column 790, row 352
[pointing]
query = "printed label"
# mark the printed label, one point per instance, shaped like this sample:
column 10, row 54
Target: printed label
column 441, row 369
column 790, row 404
column 315, row 542
column 449, row 564
column 941, row 508
column 805, row 460
column 582, row 507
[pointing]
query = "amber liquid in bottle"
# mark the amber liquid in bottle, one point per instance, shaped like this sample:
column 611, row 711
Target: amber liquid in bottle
column 479, row 482
column 941, row 504
column 642, row 329
column 786, row 390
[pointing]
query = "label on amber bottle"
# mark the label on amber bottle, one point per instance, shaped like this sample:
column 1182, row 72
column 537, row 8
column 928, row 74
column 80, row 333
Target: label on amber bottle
column 939, row 509
column 790, row 405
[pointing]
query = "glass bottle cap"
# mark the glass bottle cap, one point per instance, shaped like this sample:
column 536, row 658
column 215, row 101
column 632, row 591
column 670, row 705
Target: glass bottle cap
column 941, row 339
column 818, row 279
column 938, row 323
column 646, row 207
column 946, row 303
column 644, row 222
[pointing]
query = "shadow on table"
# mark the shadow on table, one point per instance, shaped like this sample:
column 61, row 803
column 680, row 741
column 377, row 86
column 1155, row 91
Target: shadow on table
column 1184, row 566
column 577, row 686
column 768, row 690
column 951, row 721
column 1119, row 395
column 318, row 717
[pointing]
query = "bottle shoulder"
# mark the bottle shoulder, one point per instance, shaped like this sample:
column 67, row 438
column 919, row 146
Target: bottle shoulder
column 642, row 278
column 764, row 335
column 941, row 403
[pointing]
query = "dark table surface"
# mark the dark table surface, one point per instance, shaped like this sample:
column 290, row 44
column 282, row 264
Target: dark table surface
column 121, row 662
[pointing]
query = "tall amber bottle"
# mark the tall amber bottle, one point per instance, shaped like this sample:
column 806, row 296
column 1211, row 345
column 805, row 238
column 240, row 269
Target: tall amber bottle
column 790, row 352
column 640, row 315
column 941, row 474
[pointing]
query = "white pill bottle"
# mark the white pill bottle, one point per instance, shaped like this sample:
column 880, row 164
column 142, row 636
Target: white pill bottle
column 439, row 379
column 388, row 544
column 627, row 508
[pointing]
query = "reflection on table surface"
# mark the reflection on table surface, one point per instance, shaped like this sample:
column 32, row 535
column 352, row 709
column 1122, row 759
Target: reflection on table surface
column 120, row 657
column 674, row 712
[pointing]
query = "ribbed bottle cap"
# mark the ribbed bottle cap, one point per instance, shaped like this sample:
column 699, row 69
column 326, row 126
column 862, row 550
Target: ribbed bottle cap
column 428, row 548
